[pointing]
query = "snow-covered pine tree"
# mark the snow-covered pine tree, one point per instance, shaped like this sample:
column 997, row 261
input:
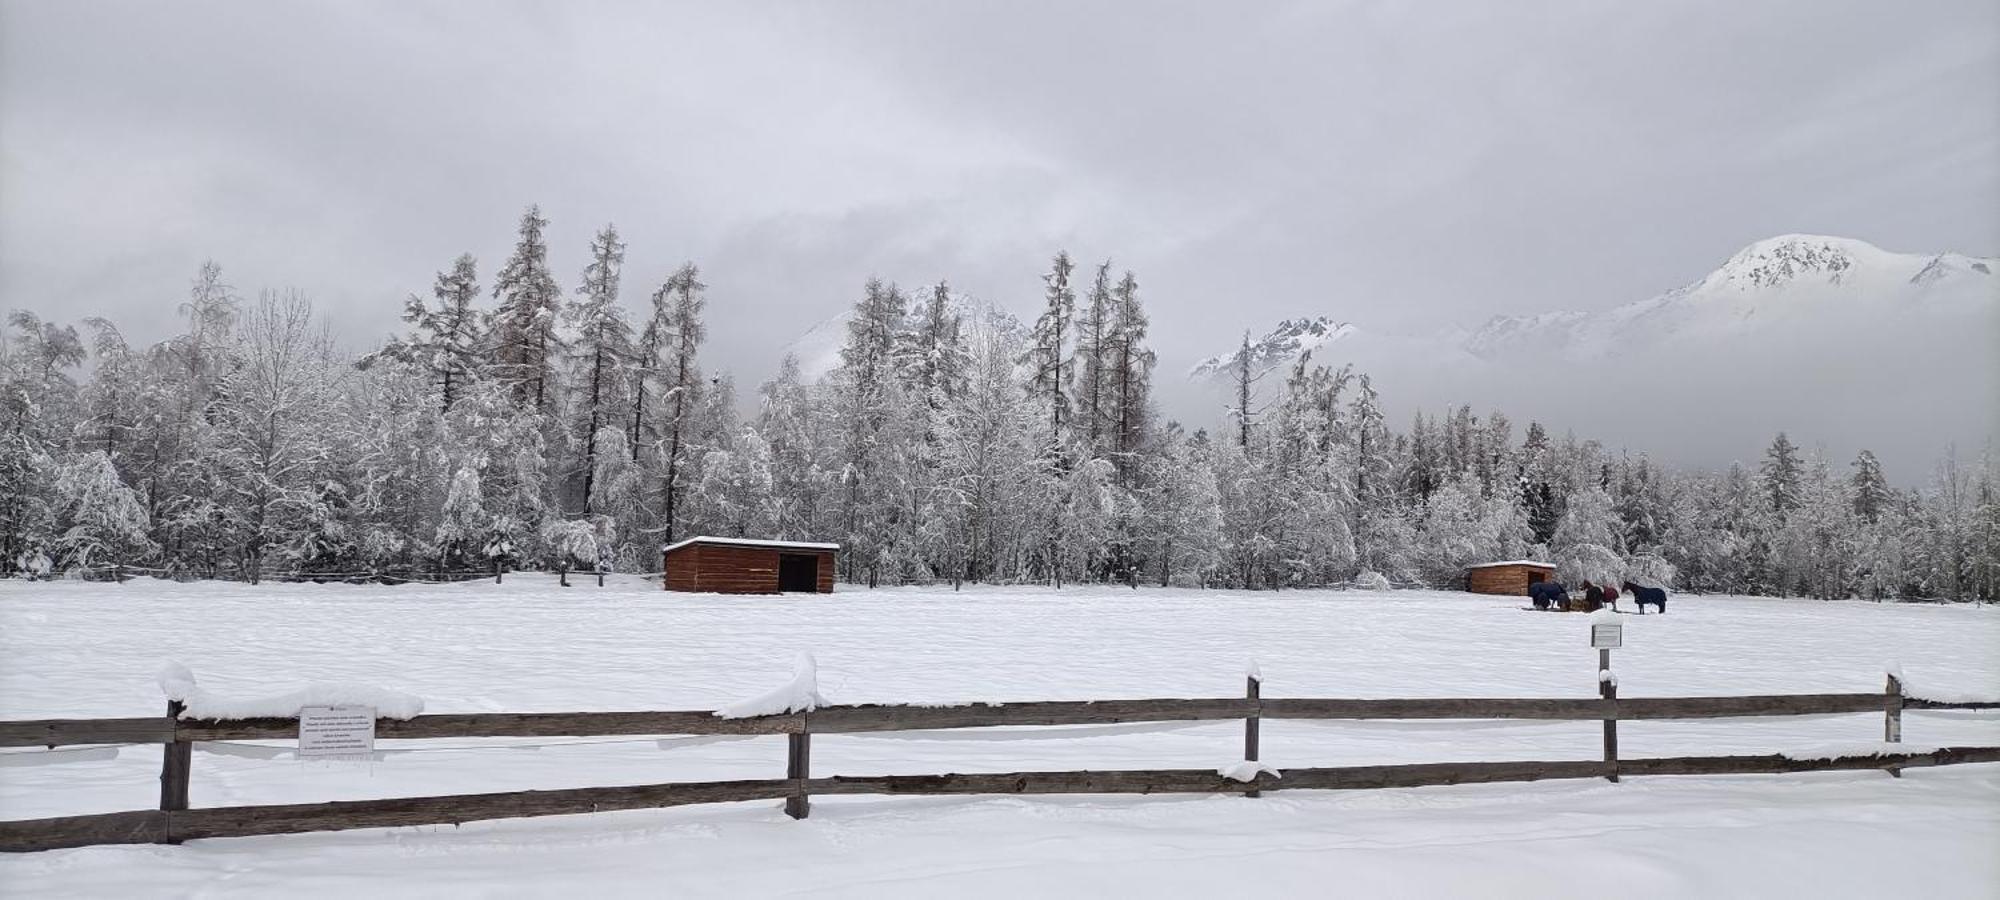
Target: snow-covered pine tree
column 487, row 433
column 390, row 450
column 1539, row 483
column 1048, row 360
column 1637, row 499
column 1244, row 412
column 37, row 410
column 524, row 336
column 1870, row 489
column 116, row 397
column 789, row 423
column 732, row 497
column 868, row 404
column 445, row 340
column 1425, row 470
column 1983, row 579
column 1816, row 543
column 1381, row 530
column 1128, row 376
column 621, row 503
column 677, row 322
column 1883, row 567
column 1312, row 477
column 1461, row 441
column 1183, row 513
column 1091, row 363
column 1131, row 376
column 934, row 360
column 463, row 526
column 602, row 352
column 987, row 456
column 1494, row 459
column 1950, row 538
column 1050, row 371
column 1780, row 475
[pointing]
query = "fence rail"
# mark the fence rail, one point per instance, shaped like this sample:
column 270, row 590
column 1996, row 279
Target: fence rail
column 887, row 717
column 174, row 822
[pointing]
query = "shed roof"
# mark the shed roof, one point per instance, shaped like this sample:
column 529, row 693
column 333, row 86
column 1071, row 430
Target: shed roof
column 747, row 542
column 1514, row 562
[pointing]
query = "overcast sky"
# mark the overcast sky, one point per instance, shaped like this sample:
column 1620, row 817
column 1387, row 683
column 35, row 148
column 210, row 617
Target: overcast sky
column 1403, row 166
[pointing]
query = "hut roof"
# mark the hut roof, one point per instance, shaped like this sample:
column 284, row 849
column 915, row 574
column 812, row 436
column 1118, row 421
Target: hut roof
column 1514, row 562
column 747, row 542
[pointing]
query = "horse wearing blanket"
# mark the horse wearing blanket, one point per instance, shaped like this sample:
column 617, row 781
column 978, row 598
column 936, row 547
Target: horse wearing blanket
column 1644, row 595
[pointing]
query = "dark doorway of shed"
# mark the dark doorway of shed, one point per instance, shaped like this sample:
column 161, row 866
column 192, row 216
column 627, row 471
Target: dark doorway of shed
column 1534, row 576
column 798, row 572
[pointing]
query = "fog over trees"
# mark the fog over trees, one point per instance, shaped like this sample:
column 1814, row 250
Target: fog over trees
column 565, row 429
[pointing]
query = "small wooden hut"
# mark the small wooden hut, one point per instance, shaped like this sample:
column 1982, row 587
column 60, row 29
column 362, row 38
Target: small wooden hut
column 1510, row 577
column 741, row 566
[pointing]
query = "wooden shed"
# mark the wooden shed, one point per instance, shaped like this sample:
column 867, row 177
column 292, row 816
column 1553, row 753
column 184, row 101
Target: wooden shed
column 1510, row 577
column 741, row 566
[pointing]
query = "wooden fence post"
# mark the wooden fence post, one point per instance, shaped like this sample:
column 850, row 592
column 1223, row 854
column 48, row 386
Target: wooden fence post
column 1253, row 691
column 1608, row 689
column 177, row 758
column 1892, row 716
column 798, row 768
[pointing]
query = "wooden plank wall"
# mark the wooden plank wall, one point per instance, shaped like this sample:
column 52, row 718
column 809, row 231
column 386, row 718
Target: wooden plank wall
column 1501, row 580
column 681, row 567
column 737, row 570
column 723, row 569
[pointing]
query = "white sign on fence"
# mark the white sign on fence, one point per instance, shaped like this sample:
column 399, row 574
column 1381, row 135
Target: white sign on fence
column 1607, row 635
column 336, row 730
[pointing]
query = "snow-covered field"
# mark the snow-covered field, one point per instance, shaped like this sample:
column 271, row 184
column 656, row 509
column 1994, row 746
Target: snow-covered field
column 92, row 650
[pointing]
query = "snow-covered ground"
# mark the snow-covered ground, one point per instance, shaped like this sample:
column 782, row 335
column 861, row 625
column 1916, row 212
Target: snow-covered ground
column 93, row 650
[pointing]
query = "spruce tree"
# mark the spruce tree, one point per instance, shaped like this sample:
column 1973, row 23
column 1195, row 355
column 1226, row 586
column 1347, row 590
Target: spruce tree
column 603, row 351
column 1780, row 475
column 1131, row 365
column 1092, row 365
column 1049, row 364
column 1870, row 489
column 525, row 340
column 677, row 311
column 445, row 341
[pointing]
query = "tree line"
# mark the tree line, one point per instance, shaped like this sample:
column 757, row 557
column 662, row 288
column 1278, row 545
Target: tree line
column 531, row 425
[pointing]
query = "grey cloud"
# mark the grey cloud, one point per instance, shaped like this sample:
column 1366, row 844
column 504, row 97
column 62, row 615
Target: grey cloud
column 1408, row 167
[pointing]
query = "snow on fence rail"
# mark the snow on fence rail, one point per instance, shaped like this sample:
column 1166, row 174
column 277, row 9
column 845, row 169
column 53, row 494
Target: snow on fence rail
column 174, row 822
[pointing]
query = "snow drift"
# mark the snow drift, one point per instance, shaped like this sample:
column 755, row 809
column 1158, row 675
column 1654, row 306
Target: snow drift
column 178, row 682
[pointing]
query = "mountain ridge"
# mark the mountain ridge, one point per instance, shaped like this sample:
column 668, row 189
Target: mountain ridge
column 1765, row 284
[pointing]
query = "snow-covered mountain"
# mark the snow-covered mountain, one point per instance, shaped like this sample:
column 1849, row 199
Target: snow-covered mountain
column 1278, row 347
column 1832, row 338
column 1784, row 283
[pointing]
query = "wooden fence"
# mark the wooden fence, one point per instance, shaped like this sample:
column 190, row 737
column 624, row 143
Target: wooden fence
column 174, row 821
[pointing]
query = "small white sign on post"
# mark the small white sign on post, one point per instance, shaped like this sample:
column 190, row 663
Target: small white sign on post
column 336, row 730
column 1607, row 635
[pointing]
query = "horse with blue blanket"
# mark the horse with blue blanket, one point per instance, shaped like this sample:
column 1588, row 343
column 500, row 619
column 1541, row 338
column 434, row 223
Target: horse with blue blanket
column 1644, row 595
column 1548, row 593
